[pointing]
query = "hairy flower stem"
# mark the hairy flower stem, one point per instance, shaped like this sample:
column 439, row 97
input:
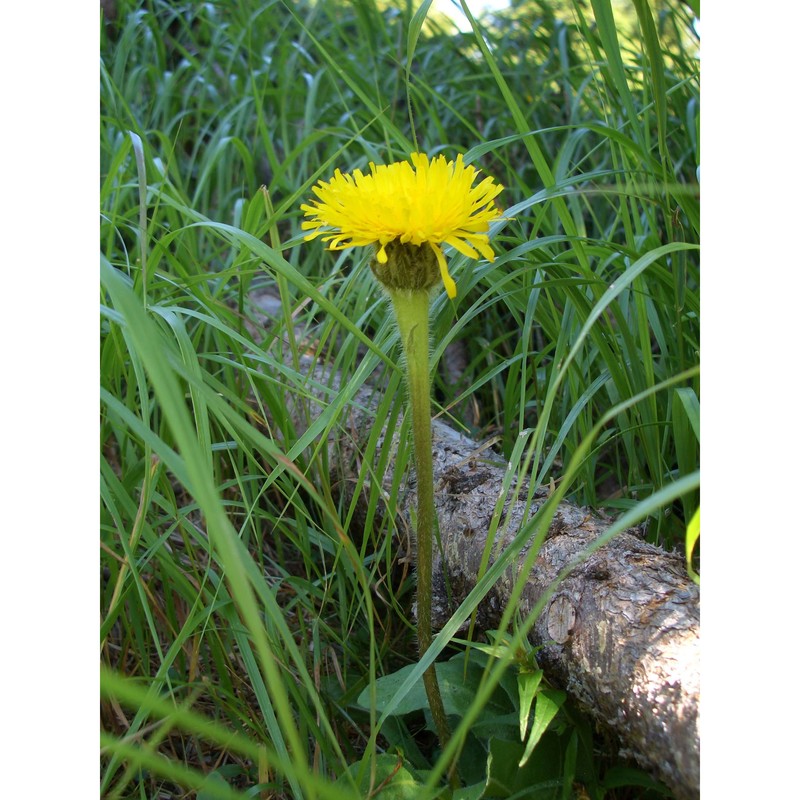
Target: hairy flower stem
column 411, row 311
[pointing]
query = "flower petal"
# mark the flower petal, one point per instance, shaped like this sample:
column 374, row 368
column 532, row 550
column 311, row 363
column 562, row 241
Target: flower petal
column 449, row 283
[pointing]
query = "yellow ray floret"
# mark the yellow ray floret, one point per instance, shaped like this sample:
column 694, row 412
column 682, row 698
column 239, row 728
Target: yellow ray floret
column 432, row 201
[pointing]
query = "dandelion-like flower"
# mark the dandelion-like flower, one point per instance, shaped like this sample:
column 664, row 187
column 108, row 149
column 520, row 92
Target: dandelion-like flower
column 432, row 202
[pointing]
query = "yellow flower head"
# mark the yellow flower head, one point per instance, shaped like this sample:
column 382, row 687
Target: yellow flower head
column 432, row 201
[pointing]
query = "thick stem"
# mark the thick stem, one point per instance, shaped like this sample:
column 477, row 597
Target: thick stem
column 411, row 310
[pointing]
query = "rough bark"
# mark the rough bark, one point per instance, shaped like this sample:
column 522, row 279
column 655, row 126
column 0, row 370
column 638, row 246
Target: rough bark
column 623, row 629
column 621, row 633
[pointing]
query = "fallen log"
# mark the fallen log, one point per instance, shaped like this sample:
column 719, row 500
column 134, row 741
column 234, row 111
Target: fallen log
column 621, row 634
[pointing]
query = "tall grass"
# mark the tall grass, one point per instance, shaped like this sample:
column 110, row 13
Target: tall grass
column 243, row 612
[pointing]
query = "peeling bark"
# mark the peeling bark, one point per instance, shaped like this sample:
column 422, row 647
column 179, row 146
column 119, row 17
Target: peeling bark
column 621, row 633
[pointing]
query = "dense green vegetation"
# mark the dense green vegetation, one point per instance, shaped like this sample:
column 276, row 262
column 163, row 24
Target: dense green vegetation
column 245, row 618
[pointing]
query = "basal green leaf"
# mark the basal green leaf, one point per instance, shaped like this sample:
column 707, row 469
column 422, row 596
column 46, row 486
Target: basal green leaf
column 548, row 701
